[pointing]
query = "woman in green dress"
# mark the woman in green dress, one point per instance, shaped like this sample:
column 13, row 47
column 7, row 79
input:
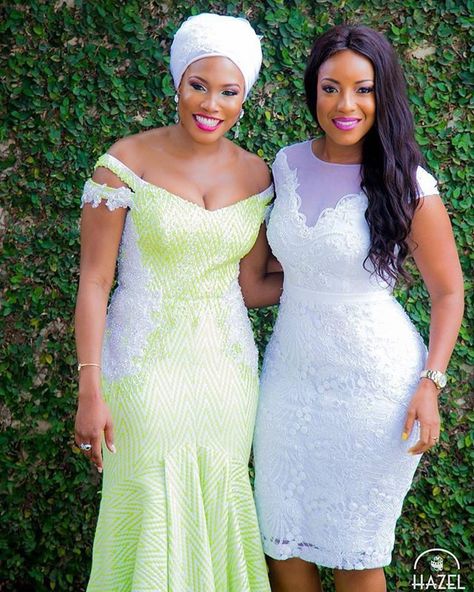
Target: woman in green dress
column 172, row 364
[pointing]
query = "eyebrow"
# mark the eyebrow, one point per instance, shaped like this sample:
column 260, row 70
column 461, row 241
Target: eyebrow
column 357, row 81
column 205, row 81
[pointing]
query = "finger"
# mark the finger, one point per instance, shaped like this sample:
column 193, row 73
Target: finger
column 434, row 438
column 410, row 420
column 96, row 454
column 81, row 440
column 109, row 436
column 423, row 443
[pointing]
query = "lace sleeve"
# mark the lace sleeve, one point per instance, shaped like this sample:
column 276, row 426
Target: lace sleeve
column 94, row 193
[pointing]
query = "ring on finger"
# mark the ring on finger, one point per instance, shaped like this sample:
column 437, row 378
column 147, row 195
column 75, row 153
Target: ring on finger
column 86, row 447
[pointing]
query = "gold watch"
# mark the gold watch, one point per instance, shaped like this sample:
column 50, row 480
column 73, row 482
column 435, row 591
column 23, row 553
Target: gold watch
column 436, row 376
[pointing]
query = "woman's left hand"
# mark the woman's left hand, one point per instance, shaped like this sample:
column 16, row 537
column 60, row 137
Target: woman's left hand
column 424, row 408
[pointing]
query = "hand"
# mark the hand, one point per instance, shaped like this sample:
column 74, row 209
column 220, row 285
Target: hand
column 424, row 408
column 92, row 419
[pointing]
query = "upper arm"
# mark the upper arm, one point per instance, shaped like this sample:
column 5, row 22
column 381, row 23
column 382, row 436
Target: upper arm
column 433, row 247
column 101, row 231
column 259, row 171
column 254, row 264
column 101, row 228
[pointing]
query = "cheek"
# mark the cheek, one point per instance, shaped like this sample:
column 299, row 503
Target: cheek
column 321, row 106
column 234, row 107
column 370, row 109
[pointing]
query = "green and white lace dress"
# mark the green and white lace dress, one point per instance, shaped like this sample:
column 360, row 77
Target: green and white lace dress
column 180, row 377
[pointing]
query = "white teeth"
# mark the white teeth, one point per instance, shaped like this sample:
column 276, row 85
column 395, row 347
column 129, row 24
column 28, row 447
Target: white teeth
column 346, row 123
column 207, row 121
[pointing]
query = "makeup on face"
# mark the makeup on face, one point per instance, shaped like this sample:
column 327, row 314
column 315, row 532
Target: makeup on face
column 345, row 103
column 211, row 95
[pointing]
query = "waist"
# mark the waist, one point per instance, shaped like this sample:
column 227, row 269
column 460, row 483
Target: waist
column 323, row 297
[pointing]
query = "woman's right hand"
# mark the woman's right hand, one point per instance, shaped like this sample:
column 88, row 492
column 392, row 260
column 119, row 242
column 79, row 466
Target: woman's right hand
column 93, row 419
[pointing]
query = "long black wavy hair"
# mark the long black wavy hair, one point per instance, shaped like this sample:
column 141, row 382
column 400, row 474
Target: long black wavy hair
column 390, row 155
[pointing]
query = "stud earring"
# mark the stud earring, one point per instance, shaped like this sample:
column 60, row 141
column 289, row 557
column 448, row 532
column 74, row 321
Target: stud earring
column 237, row 127
column 176, row 100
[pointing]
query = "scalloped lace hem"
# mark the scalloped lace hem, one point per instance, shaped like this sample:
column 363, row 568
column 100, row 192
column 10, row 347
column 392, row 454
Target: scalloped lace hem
column 331, row 558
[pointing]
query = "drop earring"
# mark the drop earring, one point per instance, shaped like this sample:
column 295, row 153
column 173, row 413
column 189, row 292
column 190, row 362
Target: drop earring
column 237, row 127
column 176, row 115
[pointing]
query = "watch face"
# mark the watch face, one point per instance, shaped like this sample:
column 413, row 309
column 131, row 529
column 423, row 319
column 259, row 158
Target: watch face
column 442, row 380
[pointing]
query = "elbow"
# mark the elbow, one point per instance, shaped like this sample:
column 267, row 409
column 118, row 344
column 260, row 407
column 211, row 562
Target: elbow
column 95, row 284
column 451, row 298
column 249, row 289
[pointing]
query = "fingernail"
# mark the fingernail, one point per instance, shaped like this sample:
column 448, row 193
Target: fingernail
column 99, row 469
column 405, row 436
column 113, row 449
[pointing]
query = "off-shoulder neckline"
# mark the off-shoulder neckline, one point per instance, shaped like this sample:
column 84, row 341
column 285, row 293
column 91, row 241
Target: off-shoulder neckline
column 262, row 194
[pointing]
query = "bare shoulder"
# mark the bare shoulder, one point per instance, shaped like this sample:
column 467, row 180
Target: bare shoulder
column 256, row 168
column 133, row 150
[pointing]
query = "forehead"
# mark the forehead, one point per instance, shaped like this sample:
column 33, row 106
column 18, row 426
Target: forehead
column 347, row 64
column 217, row 69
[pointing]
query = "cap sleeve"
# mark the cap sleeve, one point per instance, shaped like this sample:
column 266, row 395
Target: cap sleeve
column 427, row 184
column 114, row 197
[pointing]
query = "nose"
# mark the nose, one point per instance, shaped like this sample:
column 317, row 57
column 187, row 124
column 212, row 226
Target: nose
column 346, row 102
column 210, row 103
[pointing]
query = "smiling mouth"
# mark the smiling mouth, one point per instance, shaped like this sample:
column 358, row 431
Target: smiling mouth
column 207, row 124
column 345, row 123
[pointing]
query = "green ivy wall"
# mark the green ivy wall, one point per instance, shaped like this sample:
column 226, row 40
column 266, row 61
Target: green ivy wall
column 77, row 74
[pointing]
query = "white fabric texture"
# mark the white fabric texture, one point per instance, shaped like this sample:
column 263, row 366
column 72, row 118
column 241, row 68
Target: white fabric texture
column 207, row 35
column 340, row 369
column 114, row 197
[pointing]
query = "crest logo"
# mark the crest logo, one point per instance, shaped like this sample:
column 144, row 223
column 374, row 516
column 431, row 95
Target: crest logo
column 437, row 569
column 437, row 563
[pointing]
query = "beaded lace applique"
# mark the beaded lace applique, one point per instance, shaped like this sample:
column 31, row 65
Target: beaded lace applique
column 132, row 312
column 115, row 197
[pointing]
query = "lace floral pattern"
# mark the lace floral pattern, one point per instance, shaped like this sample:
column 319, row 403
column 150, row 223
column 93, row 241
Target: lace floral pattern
column 133, row 312
column 94, row 193
column 339, row 372
column 236, row 325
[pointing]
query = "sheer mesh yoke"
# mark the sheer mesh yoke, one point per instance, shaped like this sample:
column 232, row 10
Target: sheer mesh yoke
column 320, row 184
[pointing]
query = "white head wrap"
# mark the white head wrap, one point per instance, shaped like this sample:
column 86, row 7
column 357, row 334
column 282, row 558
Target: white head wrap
column 206, row 35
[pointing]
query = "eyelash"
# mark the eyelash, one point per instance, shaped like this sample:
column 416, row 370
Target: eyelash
column 226, row 93
column 365, row 90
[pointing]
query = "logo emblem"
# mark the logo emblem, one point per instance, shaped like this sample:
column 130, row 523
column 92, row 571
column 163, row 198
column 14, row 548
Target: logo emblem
column 437, row 569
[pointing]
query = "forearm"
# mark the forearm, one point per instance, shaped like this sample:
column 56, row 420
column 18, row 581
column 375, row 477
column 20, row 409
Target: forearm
column 263, row 291
column 446, row 316
column 90, row 316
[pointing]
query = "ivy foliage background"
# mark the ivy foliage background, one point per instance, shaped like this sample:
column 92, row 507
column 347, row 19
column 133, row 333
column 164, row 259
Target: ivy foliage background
column 76, row 75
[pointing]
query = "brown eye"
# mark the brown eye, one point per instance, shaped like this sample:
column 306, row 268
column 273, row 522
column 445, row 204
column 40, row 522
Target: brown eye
column 197, row 86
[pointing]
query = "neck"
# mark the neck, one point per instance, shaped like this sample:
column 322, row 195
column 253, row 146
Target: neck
column 335, row 153
column 190, row 148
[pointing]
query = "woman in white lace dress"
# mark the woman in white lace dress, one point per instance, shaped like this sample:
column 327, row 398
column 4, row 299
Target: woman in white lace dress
column 345, row 408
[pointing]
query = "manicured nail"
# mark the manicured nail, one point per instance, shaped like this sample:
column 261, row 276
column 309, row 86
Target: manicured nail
column 405, row 436
column 113, row 449
column 99, row 469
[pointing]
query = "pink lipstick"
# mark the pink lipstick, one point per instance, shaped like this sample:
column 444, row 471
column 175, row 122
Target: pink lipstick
column 345, row 123
column 206, row 123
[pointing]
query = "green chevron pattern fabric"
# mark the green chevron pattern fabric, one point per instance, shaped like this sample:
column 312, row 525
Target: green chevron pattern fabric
column 180, row 377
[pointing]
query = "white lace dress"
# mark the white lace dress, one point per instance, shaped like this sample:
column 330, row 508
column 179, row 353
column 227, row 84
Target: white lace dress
column 343, row 362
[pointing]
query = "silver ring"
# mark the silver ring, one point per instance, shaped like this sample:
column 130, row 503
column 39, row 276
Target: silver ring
column 85, row 447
